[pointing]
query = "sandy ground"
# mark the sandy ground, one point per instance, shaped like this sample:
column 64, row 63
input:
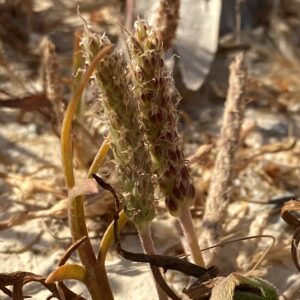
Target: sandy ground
column 29, row 151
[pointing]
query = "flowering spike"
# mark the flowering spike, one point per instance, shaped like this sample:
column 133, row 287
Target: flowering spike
column 155, row 92
column 131, row 158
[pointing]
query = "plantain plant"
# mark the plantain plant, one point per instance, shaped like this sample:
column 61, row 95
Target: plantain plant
column 93, row 274
column 139, row 105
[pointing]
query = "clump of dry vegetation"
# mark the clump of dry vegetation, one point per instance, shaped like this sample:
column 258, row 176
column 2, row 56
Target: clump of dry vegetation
column 219, row 176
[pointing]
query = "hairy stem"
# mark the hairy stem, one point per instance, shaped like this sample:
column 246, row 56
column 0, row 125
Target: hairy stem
column 189, row 232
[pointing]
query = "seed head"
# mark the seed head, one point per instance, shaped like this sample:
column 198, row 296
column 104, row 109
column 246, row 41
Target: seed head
column 131, row 158
column 157, row 99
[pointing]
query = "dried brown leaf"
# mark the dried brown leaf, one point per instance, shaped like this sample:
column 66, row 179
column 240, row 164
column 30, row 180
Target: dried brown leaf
column 19, row 279
column 287, row 213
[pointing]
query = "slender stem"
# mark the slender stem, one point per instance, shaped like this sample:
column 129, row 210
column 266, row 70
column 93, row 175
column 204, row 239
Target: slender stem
column 130, row 4
column 148, row 246
column 78, row 230
column 186, row 223
column 98, row 284
column 66, row 140
column 76, row 210
column 97, row 281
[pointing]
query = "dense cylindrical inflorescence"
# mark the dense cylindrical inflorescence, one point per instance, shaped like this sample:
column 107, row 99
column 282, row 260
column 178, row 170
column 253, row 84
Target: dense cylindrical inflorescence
column 157, row 99
column 132, row 160
column 167, row 22
column 218, row 197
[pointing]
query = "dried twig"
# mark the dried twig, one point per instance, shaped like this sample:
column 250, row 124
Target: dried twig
column 19, row 279
column 218, row 196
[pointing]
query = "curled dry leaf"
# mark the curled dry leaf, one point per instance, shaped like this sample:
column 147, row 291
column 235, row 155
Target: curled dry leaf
column 15, row 219
column 59, row 210
column 273, row 148
column 287, row 213
column 29, row 185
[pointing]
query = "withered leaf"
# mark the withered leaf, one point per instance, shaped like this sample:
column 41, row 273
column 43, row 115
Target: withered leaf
column 287, row 213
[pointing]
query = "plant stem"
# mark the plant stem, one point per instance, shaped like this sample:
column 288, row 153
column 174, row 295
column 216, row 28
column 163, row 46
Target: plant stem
column 186, row 223
column 66, row 131
column 78, row 230
column 97, row 282
column 148, row 246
